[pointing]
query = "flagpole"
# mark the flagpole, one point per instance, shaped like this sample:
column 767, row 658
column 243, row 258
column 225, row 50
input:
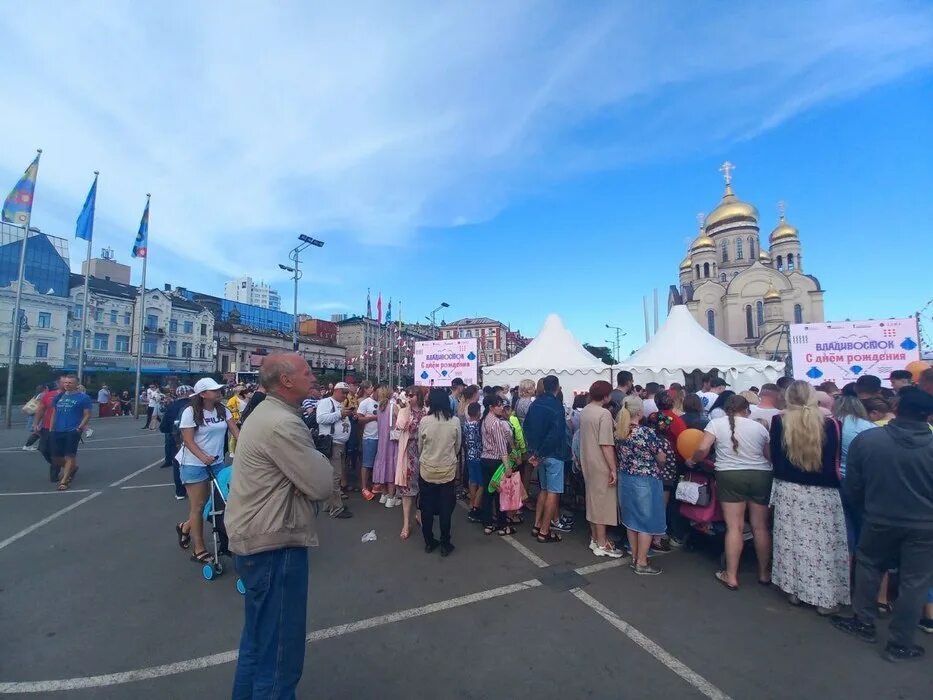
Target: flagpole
column 142, row 316
column 17, row 307
column 87, row 275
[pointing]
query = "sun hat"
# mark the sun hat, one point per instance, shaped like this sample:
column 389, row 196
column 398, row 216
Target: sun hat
column 342, row 385
column 206, row 384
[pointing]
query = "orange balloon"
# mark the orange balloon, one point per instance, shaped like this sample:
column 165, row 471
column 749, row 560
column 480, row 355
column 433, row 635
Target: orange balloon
column 916, row 368
column 688, row 442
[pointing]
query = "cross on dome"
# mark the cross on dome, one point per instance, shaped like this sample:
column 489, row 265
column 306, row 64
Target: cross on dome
column 782, row 207
column 726, row 170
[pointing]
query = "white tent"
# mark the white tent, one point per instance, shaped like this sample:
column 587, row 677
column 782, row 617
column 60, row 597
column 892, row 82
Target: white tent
column 555, row 351
column 682, row 346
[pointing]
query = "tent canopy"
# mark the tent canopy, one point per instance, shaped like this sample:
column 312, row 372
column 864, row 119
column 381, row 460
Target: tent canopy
column 555, row 351
column 682, row 346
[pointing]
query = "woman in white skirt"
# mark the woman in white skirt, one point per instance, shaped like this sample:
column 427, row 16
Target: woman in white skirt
column 811, row 556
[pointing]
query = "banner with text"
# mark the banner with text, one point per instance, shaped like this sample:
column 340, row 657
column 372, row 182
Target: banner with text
column 843, row 352
column 439, row 362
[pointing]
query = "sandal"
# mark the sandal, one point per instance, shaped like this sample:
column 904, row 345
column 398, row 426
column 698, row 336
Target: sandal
column 535, row 530
column 517, row 520
column 184, row 538
column 507, row 530
column 63, row 484
column 488, row 530
column 202, row 557
column 404, row 535
column 549, row 537
column 720, row 576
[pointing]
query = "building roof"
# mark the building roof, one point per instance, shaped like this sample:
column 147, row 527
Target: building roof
column 478, row 321
column 106, row 288
column 183, row 303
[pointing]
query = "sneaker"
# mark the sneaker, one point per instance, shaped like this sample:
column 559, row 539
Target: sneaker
column 661, row 546
column 475, row 515
column 826, row 612
column 368, row 495
column 566, row 519
column 676, row 543
column 855, row 627
column 88, row 433
column 896, row 652
column 393, row 502
column 383, row 498
column 180, row 498
column 561, row 526
column 646, row 570
column 593, row 546
column 609, row 551
column 30, row 448
column 341, row 513
column 926, row 625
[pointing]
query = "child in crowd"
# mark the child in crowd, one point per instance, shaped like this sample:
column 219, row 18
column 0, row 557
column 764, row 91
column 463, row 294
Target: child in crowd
column 473, row 441
column 517, row 456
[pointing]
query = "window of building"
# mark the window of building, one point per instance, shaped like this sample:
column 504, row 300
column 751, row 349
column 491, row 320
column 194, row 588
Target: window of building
column 186, row 349
column 45, row 320
column 749, row 322
column 78, row 311
column 74, row 340
column 798, row 313
column 173, row 326
column 760, row 308
column 98, row 314
column 172, row 348
column 711, row 322
column 751, row 248
column 722, row 277
column 780, row 262
column 101, row 341
column 790, row 262
column 698, row 272
column 739, row 254
column 122, row 343
column 126, row 318
column 201, row 350
column 490, row 345
column 189, row 326
column 152, row 321
column 149, row 346
column 42, row 350
column 113, row 316
column 203, row 329
column 706, row 270
column 725, row 251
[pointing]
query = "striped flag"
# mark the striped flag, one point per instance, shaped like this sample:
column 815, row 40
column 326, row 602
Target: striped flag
column 141, row 245
column 18, row 205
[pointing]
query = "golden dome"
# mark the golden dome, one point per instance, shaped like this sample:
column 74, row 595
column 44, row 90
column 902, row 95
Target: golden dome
column 783, row 231
column 772, row 294
column 764, row 256
column 703, row 241
column 731, row 208
column 686, row 264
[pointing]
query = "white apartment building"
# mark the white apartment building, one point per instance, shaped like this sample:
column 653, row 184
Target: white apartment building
column 246, row 291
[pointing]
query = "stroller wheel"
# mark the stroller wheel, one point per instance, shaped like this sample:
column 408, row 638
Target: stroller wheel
column 240, row 586
column 218, row 568
column 207, row 571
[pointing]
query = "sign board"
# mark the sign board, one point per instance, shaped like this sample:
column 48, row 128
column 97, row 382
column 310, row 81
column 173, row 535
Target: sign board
column 843, row 352
column 439, row 362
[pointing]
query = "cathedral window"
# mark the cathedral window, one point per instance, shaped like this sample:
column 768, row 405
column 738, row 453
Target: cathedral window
column 706, row 270
column 698, row 272
column 760, row 307
column 738, row 249
column 780, row 262
column 798, row 313
column 751, row 248
column 749, row 322
column 725, row 251
column 711, row 322
column 790, row 262
column 722, row 277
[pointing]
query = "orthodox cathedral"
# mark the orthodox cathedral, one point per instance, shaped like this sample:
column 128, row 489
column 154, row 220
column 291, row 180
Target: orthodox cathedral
column 738, row 290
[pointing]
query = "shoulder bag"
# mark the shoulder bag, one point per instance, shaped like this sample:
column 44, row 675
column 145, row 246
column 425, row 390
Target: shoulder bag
column 394, row 433
column 325, row 443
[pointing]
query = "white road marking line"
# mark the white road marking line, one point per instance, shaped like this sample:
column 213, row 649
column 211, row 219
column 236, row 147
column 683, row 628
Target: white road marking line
column 128, row 447
column 45, row 521
column 671, row 662
column 229, row 656
column 136, row 473
column 525, row 552
column 142, row 486
column 601, row 566
column 45, row 493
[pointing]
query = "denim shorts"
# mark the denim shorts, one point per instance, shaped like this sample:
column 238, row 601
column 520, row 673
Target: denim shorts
column 193, row 473
column 369, row 452
column 475, row 471
column 551, row 475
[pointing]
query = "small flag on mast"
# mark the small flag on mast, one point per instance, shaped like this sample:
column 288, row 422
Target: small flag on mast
column 379, row 308
column 389, row 312
column 85, row 224
column 18, row 205
column 369, row 305
column 140, row 247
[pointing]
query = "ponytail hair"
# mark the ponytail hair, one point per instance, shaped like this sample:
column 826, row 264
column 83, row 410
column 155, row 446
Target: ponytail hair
column 625, row 422
column 735, row 404
column 491, row 401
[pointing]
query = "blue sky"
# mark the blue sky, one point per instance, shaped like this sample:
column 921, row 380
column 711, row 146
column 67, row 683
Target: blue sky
column 512, row 160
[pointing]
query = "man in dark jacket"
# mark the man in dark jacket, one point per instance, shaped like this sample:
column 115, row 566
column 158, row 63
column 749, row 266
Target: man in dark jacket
column 546, row 437
column 170, row 431
column 889, row 478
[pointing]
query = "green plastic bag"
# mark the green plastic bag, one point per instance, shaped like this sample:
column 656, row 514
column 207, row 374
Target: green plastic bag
column 496, row 479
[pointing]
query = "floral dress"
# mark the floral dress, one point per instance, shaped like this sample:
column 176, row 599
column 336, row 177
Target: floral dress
column 661, row 424
column 413, row 461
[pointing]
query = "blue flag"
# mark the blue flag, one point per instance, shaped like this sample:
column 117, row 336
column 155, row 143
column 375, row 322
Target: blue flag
column 140, row 247
column 389, row 312
column 85, row 224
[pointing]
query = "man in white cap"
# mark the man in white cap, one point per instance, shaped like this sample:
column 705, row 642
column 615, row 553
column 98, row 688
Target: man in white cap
column 333, row 420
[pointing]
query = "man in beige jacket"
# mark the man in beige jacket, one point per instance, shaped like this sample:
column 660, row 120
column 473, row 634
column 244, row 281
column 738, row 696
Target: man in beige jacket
column 278, row 478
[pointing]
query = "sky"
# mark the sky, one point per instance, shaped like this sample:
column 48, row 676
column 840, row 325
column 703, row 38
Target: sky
column 510, row 159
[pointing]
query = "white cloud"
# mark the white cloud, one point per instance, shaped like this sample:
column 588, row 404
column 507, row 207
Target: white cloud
column 248, row 122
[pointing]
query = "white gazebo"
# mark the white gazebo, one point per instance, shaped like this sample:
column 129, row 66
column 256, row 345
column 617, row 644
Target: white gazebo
column 681, row 346
column 555, row 351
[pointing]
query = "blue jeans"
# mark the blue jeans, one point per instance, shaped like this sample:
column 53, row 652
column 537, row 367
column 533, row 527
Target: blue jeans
column 272, row 647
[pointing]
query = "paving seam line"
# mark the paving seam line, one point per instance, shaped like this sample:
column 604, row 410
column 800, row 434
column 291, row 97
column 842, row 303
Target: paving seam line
column 45, row 521
column 136, row 473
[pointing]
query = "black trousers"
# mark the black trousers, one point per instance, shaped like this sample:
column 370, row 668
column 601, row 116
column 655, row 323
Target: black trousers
column 439, row 500
column 879, row 547
column 491, row 513
column 45, row 445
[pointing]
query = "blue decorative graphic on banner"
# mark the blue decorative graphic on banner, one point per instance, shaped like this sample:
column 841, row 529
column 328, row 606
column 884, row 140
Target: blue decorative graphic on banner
column 471, row 356
column 444, row 373
column 424, row 375
column 908, row 344
column 856, row 369
column 814, row 373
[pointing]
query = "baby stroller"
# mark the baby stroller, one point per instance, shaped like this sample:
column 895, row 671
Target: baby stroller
column 704, row 513
column 214, row 513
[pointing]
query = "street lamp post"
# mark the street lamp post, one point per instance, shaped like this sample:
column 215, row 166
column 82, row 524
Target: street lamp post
column 306, row 242
column 618, row 344
column 444, row 305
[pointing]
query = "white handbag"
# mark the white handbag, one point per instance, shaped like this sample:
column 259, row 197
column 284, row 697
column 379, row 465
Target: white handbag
column 394, row 433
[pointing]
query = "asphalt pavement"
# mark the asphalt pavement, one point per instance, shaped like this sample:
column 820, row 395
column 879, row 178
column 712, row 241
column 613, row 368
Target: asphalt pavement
column 98, row 601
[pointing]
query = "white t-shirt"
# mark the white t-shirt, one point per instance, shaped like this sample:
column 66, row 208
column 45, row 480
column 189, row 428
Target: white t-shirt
column 763, row 415
column 707, row 398
column 649, row 406
column 752, row 438
column 340, row 429
column 153, row 396
column 369, row 407
column 717, row 413
column 209, row 437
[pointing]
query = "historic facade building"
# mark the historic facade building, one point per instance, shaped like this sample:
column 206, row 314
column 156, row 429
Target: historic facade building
column 741, row 291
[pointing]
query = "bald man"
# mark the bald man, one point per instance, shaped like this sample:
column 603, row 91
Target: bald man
column 278, row 481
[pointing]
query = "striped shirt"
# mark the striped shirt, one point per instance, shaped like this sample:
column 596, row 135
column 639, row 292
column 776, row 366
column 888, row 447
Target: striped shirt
column 308, row 404
column 497, row 437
